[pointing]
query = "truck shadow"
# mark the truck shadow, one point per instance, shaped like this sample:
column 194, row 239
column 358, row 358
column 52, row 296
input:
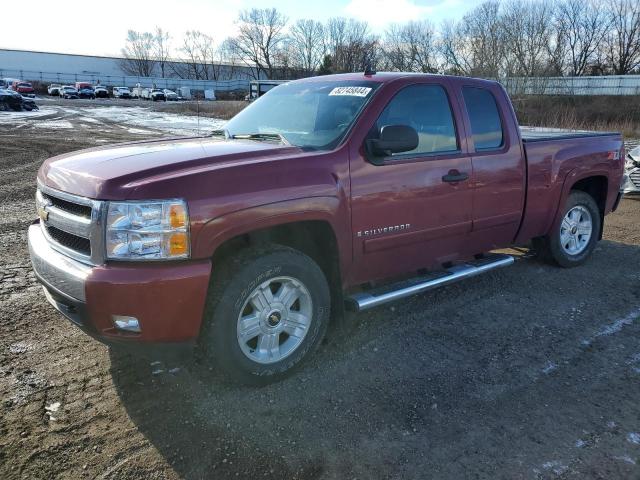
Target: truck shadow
column 480, row 369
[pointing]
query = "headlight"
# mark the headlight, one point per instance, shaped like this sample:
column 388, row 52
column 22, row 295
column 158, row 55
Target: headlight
column 147, row 230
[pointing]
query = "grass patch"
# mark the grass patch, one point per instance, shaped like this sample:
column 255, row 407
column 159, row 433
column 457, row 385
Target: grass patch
column 606, row 113
column 224, row 109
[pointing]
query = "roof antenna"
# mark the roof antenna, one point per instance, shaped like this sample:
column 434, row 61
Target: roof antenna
column 369, row 70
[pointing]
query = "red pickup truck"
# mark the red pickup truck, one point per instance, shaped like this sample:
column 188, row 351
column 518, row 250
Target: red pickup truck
column 329, row 192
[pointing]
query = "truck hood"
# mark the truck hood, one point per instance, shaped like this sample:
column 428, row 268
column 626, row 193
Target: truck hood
column 111, row 173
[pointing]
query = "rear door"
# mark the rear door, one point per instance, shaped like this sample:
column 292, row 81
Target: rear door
column 498, row 164
column 412, row 210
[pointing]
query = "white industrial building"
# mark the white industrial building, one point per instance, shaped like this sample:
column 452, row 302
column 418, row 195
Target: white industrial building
column 50, row 67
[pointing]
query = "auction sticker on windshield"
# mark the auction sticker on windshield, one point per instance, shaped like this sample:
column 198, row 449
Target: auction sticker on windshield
column 351, row 91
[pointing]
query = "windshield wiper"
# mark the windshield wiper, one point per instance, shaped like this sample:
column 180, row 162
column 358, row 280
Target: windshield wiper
column 260, row 136
column 223, row 132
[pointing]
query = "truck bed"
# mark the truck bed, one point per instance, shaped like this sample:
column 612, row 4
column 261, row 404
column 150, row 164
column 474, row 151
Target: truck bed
column 540, row 134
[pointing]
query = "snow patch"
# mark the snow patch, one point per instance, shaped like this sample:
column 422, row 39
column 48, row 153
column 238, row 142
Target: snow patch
column 626, row 459
column 10, row 117
column 54, row 125
column 634, row 437
column 615, row 327
column 555, row 466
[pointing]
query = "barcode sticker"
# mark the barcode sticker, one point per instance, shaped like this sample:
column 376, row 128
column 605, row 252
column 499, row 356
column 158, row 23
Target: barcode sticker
column 351, row 91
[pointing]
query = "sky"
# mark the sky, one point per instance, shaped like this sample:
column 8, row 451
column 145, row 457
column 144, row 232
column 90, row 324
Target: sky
column 100, row 28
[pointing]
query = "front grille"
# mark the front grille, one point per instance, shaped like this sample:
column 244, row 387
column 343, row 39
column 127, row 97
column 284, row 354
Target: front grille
column 635, row 177
column 71, row 224
column 79, row 244
column 69, row 207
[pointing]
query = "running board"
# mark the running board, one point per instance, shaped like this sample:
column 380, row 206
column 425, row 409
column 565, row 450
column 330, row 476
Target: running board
column 365, row 300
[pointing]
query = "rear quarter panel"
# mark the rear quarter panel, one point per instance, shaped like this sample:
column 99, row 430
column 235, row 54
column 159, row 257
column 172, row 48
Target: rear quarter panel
column 555, row 166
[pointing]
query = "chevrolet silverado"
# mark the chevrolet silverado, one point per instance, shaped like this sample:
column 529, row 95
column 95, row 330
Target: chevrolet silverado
column 327, row 193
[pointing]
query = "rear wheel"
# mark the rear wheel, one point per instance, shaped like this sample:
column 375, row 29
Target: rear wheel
column 268, row 309
column 572, row 241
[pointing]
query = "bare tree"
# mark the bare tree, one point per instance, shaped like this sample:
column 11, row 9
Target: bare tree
column 161, row 49
column 475, row 45
column 622, row 45
column 527, row 36
column 260, row 33
column 584, row 25
column 306, row 45
column 138, row 54
column 410, row 47
column 351, row 45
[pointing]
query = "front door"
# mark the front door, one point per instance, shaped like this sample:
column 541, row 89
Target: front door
column 412, row 210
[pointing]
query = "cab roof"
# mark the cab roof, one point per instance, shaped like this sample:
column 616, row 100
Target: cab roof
column 386, row 77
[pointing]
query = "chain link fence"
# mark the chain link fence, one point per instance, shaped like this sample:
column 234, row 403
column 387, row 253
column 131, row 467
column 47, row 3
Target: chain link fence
column 605, row 85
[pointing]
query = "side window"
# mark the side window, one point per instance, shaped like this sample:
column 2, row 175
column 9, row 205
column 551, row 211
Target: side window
column 486, row 126
column 425, row 108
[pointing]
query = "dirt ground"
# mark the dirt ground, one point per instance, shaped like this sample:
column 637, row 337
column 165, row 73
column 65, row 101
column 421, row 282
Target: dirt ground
column 531, row 372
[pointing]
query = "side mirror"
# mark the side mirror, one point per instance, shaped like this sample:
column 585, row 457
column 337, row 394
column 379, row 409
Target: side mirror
column 393, row 139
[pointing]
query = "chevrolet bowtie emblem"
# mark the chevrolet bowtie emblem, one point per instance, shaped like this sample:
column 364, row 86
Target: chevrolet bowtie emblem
column 43, row 214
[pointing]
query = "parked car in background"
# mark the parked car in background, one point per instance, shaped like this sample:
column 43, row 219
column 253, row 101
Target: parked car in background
column 136, row 92
column 54, row 89
column 156, row 94
column 23, row 88
column 68, row 91
column 152, row 94
column 29, row 104
column 632, row 172
column 80, row 85
column 10, row 100
column 86, row 92
column 121, row 92
column 7, row 82
column 170, row 95
column 101, row 91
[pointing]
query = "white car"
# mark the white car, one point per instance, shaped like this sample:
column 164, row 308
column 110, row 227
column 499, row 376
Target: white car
column 121, row 92
column 631, row 181
column 170, row 95
column 68, row 91
column 154, row 94
column 54, row 89
column 101, row 91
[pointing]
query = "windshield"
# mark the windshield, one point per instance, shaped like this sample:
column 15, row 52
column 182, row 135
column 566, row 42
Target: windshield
column 313, row 115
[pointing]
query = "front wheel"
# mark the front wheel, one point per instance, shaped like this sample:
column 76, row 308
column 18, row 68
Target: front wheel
column 572, row 241
column 268, row 309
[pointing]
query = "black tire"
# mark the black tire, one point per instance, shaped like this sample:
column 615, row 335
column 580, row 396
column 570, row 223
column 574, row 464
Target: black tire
column 550, row 249
column 4, row 107
column 231, row 287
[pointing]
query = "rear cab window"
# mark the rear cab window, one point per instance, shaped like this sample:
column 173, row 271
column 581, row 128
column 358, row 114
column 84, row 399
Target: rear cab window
column 426, row 108
column 484, row 117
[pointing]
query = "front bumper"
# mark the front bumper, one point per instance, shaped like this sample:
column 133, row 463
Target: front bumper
column 168, row 299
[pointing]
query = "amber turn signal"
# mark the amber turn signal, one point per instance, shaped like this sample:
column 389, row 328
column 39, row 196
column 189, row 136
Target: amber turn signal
column 177, row 216
column 178, row 244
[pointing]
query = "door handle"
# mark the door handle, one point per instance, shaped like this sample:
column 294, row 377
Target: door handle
column 454, row 176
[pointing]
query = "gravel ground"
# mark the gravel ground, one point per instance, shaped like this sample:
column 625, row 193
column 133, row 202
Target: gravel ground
column 529, row 372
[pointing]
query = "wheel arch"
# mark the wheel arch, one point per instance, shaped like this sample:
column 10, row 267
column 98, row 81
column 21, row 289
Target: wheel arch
column 595, row 183
column 313, row 231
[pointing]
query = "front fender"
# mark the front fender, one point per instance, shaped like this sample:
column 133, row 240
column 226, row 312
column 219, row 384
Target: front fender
column 328, row 209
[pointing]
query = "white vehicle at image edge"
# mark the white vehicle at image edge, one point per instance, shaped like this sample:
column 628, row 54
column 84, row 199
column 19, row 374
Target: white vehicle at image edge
column 631, row 182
